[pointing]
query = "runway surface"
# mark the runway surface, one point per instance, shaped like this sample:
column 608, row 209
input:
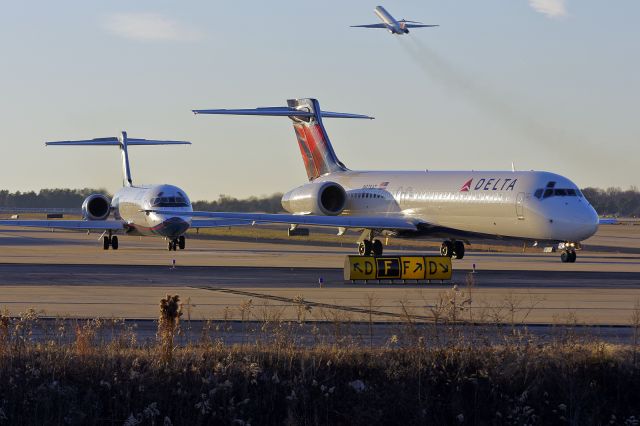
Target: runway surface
column 37, row 246
column 68, row 274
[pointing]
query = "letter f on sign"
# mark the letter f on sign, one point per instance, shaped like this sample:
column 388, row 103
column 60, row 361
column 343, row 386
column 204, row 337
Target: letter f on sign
column 387, row 265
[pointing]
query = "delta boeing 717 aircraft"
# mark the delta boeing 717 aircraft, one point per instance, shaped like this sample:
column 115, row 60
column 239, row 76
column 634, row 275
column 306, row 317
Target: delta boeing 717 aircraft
column 126, row 212
column 391, row 24
column 458, row 206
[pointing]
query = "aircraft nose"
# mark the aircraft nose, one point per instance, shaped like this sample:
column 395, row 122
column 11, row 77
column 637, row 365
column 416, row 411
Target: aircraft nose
column 581, row 222
column 173, row 226
column 591, row 222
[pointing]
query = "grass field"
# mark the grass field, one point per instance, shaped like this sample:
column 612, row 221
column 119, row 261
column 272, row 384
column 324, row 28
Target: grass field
column 75, row 375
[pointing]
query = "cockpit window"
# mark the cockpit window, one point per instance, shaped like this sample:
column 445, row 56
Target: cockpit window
column 551, row 184
column 169, row 202
column 557, row 192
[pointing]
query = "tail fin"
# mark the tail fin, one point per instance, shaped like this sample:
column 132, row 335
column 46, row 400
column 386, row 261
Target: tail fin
column 317, row 153
column 121, row 141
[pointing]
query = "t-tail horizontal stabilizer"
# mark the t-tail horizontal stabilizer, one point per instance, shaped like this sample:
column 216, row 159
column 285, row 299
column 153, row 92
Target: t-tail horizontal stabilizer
column 317, row 153
column 122, row 141
column 284, row 111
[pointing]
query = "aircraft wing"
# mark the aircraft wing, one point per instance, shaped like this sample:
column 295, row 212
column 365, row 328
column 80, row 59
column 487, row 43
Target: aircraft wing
column 219, row 223
column 87, row 225
column 370, row 26
column 44, row 210
column 419, row 26
column 360, row 222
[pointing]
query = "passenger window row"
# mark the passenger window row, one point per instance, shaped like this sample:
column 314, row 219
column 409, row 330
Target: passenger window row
column 364, row 195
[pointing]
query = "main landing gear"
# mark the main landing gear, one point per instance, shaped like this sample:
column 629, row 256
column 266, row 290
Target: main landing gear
column 368, row 248
column 369, row 245
column 110, row 241
column 177, row 243
column 452, row 248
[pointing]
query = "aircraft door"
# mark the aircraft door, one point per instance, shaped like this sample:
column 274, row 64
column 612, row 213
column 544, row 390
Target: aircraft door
column 520, row 205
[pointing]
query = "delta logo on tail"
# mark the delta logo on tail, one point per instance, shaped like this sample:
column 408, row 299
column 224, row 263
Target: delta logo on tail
column 490, row 184
column 467, row 186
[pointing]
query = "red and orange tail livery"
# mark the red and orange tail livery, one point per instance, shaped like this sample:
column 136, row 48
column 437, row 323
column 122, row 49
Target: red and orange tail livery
column 317, row 153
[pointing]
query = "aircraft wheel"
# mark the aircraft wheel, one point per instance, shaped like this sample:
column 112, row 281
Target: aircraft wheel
column 377, row 248
column 170, row 245
column 458, row 249
column 361, row 248
column 565, row 256
column 181, row 242
column 364, row 248
column 106, row 242
column 572, row 256
column 114, row 242
column 446, row 249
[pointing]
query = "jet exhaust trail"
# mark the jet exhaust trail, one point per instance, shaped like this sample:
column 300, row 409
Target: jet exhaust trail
column 441, row 70
column 556, row 141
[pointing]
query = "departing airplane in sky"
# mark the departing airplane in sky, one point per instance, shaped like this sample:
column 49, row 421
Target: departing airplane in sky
column 458, row 206
column 127, row 211
column 391, row 24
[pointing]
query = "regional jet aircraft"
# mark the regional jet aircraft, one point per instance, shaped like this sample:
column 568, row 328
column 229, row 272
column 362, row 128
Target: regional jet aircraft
column 129, row 205
column 391, row 24
column 458, row 206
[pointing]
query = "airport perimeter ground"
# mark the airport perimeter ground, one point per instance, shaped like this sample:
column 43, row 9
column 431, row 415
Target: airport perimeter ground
column 69, row 275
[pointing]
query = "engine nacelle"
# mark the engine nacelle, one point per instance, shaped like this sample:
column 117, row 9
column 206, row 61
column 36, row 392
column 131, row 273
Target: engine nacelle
column 96, row 207
column 318, row 198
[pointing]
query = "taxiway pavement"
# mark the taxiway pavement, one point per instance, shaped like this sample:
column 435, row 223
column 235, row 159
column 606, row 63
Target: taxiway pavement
column 68, row 274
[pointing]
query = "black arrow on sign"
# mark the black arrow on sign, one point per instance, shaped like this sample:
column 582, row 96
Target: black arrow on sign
column 445, row 268
column 356, row 267
column 418, row 268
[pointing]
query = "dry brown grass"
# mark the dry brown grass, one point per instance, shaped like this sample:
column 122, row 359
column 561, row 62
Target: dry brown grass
column 96, row 372
column 168, row 323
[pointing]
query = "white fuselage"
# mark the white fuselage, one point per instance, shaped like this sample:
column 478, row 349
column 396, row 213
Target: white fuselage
column 131, row 204
column 529, row 205
column 392, row 24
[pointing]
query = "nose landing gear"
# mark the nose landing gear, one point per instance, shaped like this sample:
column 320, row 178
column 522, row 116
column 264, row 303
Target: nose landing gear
column 568, row 254
column 176, row 243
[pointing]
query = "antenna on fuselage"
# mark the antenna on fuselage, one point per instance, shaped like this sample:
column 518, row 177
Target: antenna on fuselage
column 123, row 142
column 513, row 167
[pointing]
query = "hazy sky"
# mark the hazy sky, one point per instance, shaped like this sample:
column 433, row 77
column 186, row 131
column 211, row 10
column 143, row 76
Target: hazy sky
column 548, row 84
